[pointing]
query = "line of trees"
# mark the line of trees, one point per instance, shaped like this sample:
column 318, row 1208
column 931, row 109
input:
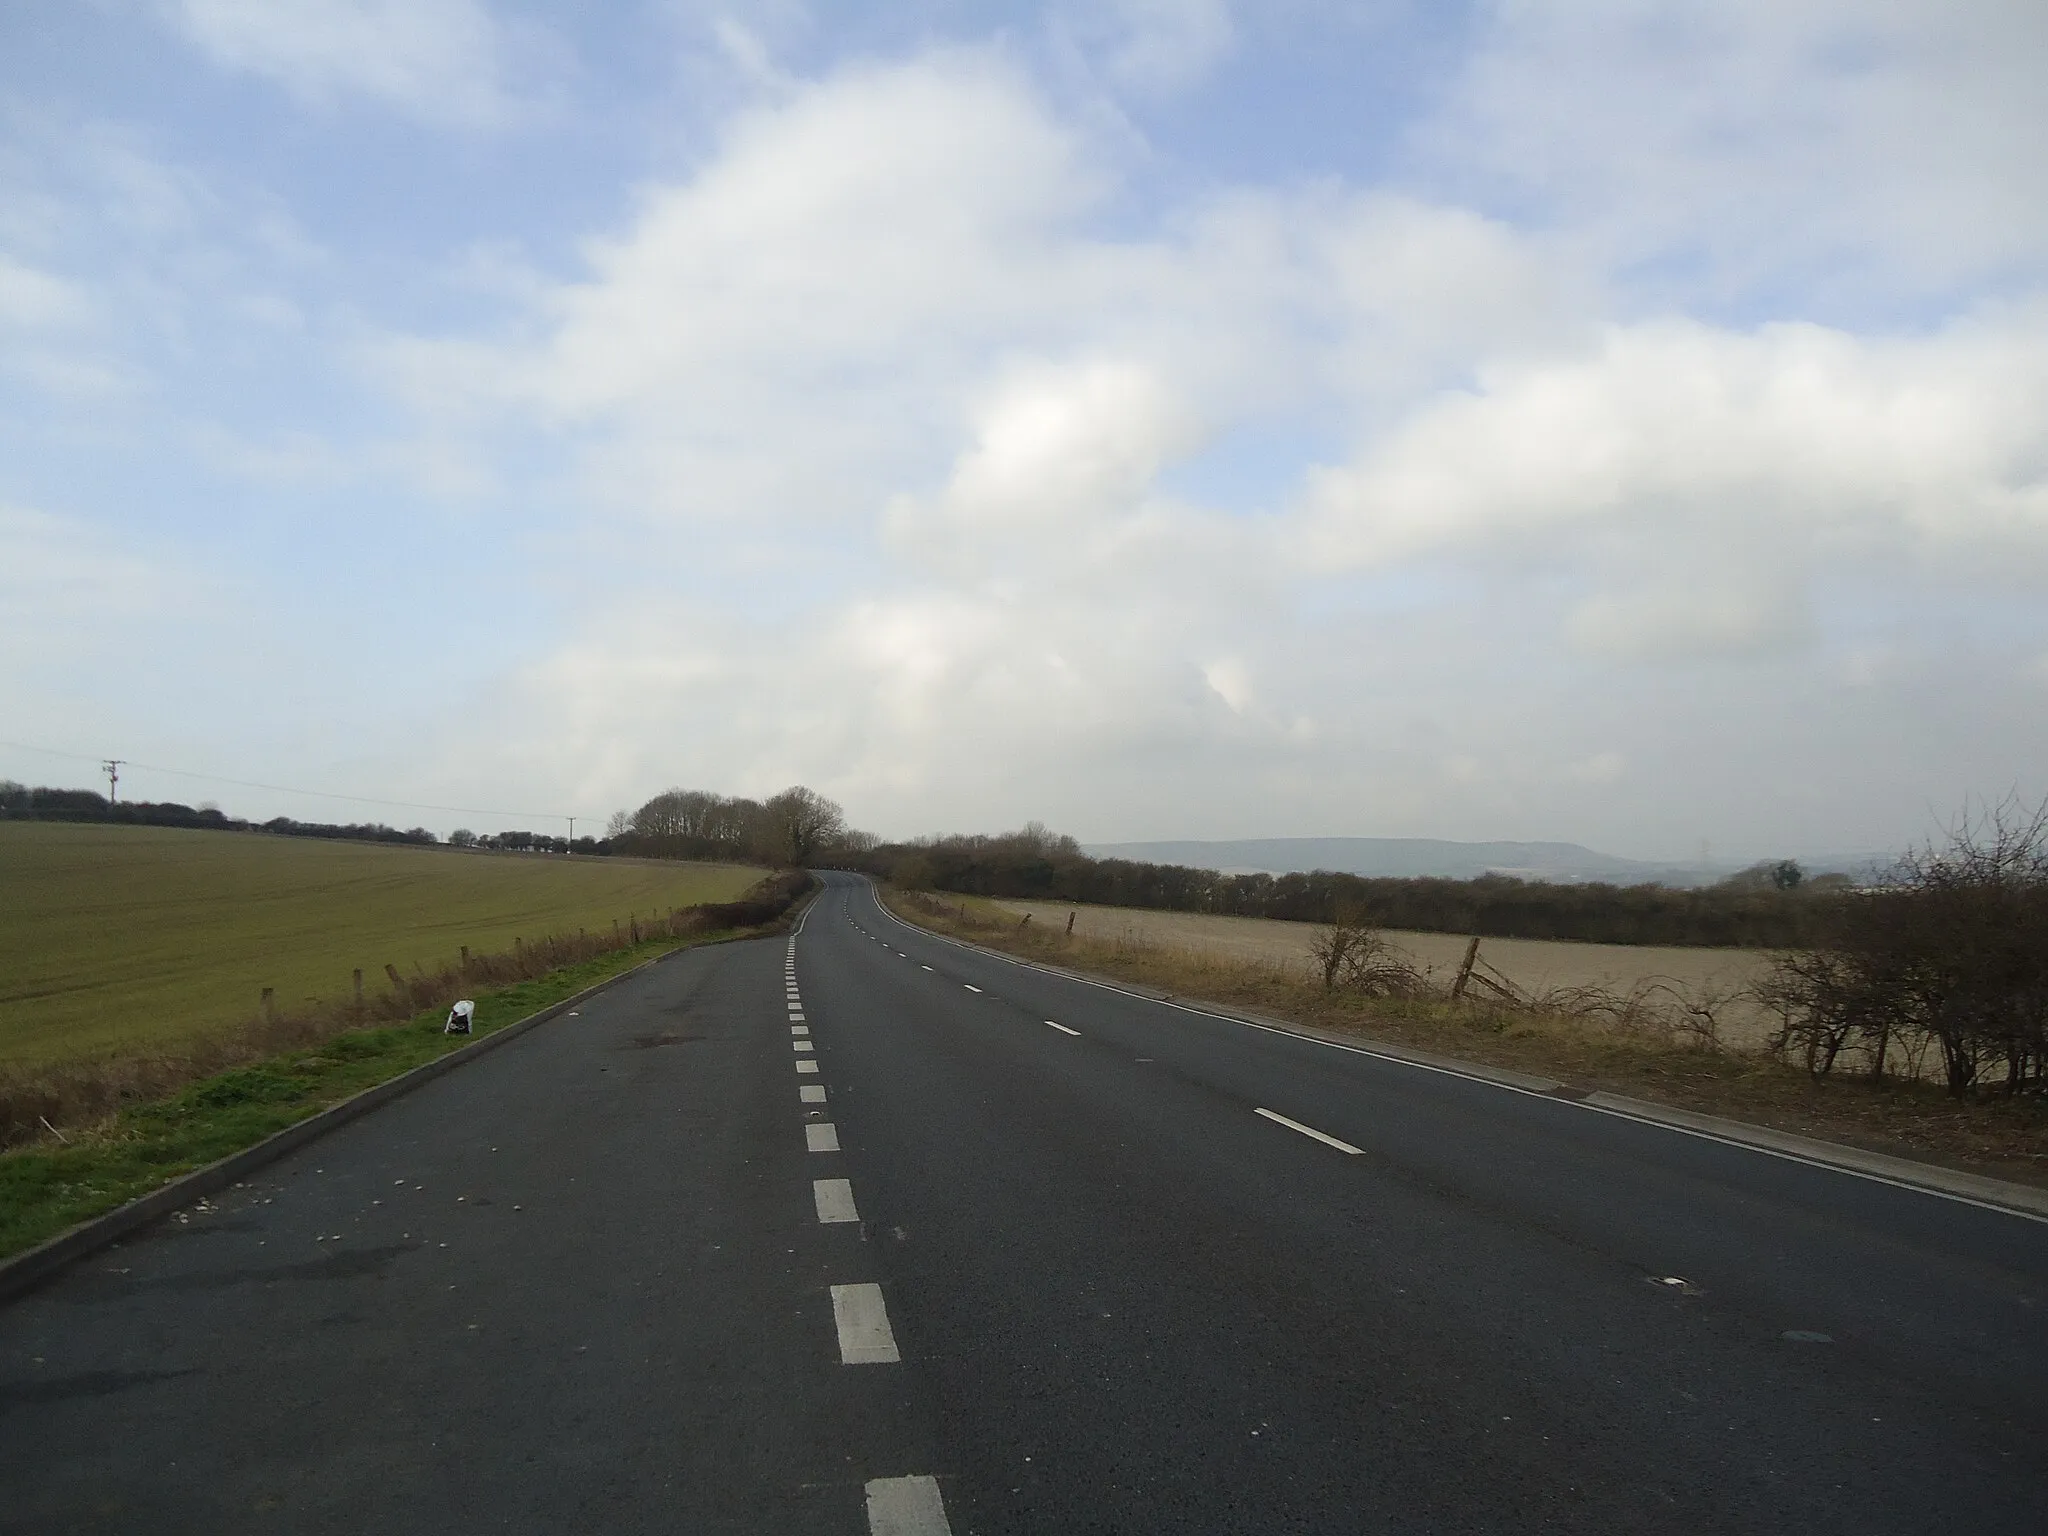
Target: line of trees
column 19, row 802
column 1772, row 906
column 798, row 827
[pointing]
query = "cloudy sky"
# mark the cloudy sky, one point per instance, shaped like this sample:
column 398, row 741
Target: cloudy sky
column 1616, row 421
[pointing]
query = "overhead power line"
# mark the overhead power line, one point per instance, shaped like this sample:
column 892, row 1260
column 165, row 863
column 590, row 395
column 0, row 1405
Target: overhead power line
column 317, row 794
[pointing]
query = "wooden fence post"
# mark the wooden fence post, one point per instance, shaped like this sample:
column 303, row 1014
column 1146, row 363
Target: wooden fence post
column 465, row 959
column 1465, row 970
column 397, row 981
column 269, row 1005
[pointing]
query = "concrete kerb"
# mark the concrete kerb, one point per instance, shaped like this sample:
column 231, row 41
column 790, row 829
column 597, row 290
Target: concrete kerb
column 1976, row 1188
column 29, row 1269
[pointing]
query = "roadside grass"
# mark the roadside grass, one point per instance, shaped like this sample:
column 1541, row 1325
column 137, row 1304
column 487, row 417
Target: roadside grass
column 48, row 1187
column 2000, row 1136
column 126, row 938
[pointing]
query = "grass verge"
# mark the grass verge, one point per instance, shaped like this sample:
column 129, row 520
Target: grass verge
column 49, row 1187
column 1995, row 1135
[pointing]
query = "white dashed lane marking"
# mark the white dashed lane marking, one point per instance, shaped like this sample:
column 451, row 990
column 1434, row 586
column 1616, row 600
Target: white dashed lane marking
column 799, row 1029
column 821, row 1138
column 811, row 1093
column 1311, row 1131
column 807, row 1066
column 865, row 1337
column 906, row 1506
column 971, row 989
column 834, row 1199
column 1062, row 1028
column 801, row 1046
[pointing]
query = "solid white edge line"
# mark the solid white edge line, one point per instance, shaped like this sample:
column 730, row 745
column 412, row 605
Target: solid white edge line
column 1473, row 1077
column 1062, row 1028
column 906, row 1506
column 834, row 1199
column 1309, row 1130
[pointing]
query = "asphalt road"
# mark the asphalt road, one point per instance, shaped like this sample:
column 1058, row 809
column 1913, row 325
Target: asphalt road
column 1022, row 1254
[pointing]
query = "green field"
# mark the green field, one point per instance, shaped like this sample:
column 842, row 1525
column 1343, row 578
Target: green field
column 112, row 936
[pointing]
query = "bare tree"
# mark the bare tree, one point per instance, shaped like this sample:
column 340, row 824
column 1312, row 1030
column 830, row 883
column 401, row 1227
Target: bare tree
column 801, row 821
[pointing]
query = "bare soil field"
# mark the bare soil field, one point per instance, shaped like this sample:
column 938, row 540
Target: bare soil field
column 1536, row 967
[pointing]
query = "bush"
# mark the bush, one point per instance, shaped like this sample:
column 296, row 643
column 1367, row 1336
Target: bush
column 1949, row 954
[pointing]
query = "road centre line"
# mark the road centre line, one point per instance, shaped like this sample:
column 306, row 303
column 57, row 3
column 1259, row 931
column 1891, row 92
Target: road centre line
column 801, row 1046
column 1614, row 1111
column 924, row 967
column 865, row 1337
column 906, row 1506
column 811, row 1093
column 807, row 1066
column 834, row 1199
column 799, row 1029
column 1311, row 1131
column 821, row 1138
column 971, row 989
column 1062, row 1028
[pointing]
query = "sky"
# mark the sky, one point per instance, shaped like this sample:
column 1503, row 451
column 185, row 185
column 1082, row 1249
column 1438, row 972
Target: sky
column 1603, row 420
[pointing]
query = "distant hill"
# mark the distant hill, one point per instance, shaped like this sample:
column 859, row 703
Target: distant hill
column 1408, row 857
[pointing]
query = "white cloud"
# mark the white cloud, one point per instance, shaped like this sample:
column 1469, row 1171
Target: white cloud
column 36, row 300
column 1155, row 46
column 875, row 426
column 443, row 60
column 1707, row 471
column 1686, row 622
column 1825, row 147
column 59, row 574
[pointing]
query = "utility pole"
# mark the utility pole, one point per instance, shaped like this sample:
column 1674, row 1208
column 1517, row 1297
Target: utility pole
column 111, row 767
column 572, row 835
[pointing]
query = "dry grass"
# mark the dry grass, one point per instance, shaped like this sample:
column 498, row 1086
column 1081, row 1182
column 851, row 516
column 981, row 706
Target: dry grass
column 1657, row 987
column 1592, row 1038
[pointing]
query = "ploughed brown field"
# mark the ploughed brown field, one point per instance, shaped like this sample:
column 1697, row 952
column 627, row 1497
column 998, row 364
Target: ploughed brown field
column 1536, row 967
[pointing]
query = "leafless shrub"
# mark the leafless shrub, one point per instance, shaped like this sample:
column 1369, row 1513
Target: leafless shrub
column 1335, row 949
column 1352, row 954
column 1948, row 955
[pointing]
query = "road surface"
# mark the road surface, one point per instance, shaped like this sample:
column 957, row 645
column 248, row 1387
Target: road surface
column 869, row 1231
